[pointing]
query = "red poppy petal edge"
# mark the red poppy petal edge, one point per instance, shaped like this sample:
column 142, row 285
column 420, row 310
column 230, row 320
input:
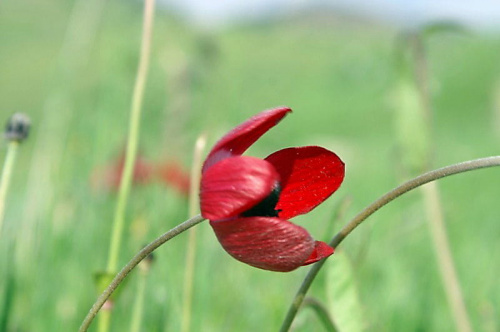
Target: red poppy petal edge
column 309, row 175
column 264, row 242
column 321, row 250
column 234, row 185
column 241, row 137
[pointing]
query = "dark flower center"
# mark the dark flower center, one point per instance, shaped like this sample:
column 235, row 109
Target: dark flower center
column 266, row 207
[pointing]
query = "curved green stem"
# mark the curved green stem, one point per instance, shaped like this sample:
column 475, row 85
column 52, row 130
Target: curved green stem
column 372, row 208
column 10, row 159
column 133, row 263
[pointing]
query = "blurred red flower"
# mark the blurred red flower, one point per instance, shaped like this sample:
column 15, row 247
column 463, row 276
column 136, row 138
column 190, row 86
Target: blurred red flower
column 173, row 175
column 109, row 177
column 170, row 173
column 249, row 200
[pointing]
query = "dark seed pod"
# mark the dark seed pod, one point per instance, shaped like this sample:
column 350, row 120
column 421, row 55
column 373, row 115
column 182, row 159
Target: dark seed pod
column 18, row 127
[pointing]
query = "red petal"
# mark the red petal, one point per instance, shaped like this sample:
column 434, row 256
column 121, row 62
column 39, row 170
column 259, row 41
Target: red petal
column 321, row 250
column 240, row 138
column 309, row 175
column 267, row 243
column 234, row 185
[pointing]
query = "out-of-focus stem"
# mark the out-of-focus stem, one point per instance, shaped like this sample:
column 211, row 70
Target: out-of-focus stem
column 422, row 76
column 8, row 166
column 445, row 260
column 104, row 321
column 132, row 142
column 191, row 245
column 432, row 200
column 138, row 310
column 133, row 136
column 372, row 208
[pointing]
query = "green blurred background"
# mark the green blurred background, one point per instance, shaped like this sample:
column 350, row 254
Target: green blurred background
column 71, row 65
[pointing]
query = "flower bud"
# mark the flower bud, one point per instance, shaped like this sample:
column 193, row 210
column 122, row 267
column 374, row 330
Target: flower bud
column 17, row 128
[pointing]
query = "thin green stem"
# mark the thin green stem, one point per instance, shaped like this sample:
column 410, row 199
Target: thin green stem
column 372, row 208
column 319, row 309
column 446, row 265
column 436, row 223
column 191, row 245
column 104, row 321
column 133, row 137
column 8, row 166
column 132, row 264
column 138, row 311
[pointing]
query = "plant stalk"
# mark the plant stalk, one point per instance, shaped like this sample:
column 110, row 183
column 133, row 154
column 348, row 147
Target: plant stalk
column 104, row 321
column 10, row 159
column 138, row 310
column 191, row 245
column 133, row 136
column 433, row 207
column 445, row 259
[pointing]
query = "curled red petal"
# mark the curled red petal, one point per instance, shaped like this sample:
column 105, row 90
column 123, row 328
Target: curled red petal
column 309, row 175
column 321, row 250
column 267, row 243
column 234, row 185
column 240, row 138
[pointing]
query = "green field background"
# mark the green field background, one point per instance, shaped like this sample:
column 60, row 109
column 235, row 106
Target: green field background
column 340, row 78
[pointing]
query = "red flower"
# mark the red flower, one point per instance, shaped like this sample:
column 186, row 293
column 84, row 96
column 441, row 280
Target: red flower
column 109, row 177
column 172, row 174
column 249, row 200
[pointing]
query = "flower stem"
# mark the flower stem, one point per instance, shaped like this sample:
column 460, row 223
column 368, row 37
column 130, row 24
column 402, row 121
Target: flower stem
column 432, row 200
column 104, row 321
column 191, row 245
column 131, row 151
column 133, row 137
column 135, row 325
column 372, row 208
column 321, row 312
column 133, row 263
column 10, row 159
column 449, row 276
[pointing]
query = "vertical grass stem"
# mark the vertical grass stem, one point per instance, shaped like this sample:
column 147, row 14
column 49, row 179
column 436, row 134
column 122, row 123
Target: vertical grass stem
column 138, row 310
column 444, row 257
column 191, row 245
column 133, row 136
column 10, row 159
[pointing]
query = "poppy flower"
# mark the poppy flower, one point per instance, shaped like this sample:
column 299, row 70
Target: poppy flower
column 249, row 201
